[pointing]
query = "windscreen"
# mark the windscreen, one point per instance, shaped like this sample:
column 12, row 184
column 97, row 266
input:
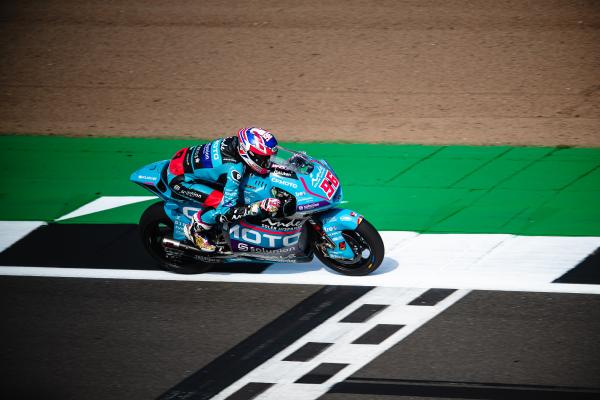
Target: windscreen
column 292, row 160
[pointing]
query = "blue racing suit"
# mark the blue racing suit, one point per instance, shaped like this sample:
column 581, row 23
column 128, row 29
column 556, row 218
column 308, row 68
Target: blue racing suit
column 196, row 173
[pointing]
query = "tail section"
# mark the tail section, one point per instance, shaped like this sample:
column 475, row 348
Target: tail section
column 153, row 177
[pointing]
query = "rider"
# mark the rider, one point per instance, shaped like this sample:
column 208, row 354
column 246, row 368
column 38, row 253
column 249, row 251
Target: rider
column 221, row 161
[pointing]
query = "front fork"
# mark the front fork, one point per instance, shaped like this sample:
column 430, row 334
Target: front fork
column 329, row 226
column 324, row 241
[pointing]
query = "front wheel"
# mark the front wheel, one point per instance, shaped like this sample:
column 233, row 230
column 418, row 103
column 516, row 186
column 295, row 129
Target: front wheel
column 368, row 246
column 156, row 225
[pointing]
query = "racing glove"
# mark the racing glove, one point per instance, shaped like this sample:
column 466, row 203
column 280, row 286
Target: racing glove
column 270, row 205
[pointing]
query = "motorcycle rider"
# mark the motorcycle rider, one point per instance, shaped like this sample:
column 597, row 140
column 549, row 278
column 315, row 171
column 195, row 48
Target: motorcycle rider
column 221, row 161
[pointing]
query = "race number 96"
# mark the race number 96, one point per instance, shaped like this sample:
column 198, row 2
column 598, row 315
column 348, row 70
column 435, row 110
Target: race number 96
column 329, row 184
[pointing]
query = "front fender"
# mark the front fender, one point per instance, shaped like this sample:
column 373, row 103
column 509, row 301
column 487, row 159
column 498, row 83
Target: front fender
column 335, row 221
column 339, row 219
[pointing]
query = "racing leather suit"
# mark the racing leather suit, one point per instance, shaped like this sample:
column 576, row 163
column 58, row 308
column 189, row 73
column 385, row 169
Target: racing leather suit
column 196, row 173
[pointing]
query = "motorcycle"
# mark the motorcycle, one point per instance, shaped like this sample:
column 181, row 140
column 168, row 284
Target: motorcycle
column 309, row 221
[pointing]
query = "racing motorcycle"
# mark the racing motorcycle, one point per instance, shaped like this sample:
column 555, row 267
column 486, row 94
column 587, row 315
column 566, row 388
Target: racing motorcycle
column 309, row 221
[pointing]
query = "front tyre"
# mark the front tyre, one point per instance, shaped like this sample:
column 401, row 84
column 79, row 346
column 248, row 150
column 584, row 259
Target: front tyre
column 154, row 226
column 368, row 246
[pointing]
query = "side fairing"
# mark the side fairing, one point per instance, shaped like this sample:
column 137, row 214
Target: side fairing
column 181, row 215
column 256, row 235
column 314, row 190
column 255, row 188
column 251, row 239
column 321, row 188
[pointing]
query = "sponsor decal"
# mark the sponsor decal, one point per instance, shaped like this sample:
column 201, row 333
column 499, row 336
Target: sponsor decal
column 346, row 218
column 252, row 236
column 201, row 156
column 230, row 197
column 318, row 176
column 312, row 206
column 283, row 224
column 284, row 183
column 215, row 151
column 190, row 193
column 278, row 166
column 306, row 207
column 196, row 155
column 239, row 246
column 283, row 172
column 236, row 176
column 150, row 178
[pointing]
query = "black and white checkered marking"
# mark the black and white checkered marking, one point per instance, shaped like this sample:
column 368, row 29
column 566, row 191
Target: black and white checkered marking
column 344, row 343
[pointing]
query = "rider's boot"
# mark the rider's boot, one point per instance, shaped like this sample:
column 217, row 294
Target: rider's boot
column 195, row 232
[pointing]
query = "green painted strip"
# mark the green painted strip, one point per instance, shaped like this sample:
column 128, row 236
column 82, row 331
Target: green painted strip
column 461, row 189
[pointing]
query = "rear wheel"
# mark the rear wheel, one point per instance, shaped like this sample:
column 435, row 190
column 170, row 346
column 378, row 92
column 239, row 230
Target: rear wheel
column 367, row 245
column 154, row 226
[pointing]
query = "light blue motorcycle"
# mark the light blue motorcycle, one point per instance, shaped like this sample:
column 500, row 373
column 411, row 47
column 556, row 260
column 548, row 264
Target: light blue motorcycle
column 308, row 223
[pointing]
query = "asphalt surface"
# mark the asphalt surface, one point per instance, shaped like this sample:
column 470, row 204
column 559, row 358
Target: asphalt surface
column 491, row 345
column 115, row 339
column 503, row 337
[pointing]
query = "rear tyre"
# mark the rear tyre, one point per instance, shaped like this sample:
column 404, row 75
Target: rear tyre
column 366, row 243
column 154, row 226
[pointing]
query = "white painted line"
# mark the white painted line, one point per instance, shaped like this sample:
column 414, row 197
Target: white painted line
column 12, row 231
column 325, row 278
column 105, row 203
column 285, row 373
column 463, row 261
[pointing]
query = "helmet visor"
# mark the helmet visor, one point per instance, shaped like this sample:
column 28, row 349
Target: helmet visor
column 260, row 160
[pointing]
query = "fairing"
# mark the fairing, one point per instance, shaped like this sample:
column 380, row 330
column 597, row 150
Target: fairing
column 313, row 188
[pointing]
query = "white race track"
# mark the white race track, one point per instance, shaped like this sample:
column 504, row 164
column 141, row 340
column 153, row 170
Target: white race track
column 460, row 261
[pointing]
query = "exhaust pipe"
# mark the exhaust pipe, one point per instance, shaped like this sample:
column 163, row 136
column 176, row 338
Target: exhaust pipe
column 176, row 244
